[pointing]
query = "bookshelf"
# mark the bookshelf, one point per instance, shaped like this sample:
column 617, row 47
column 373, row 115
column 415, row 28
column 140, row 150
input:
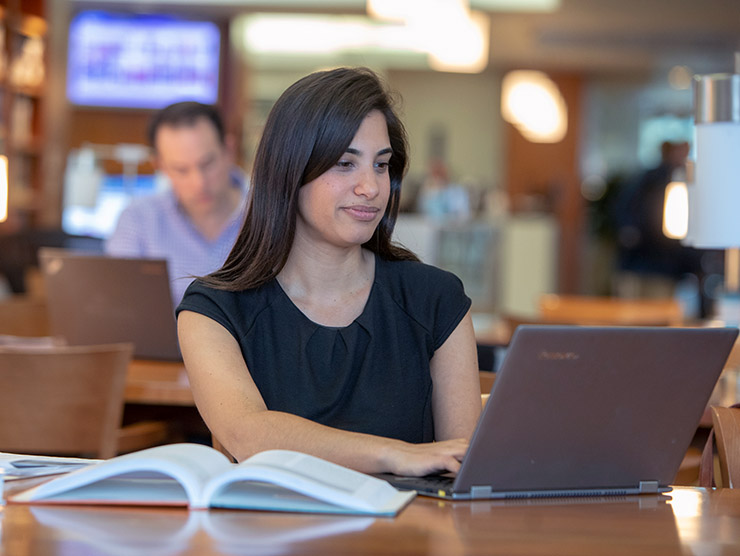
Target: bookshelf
column 23, row 33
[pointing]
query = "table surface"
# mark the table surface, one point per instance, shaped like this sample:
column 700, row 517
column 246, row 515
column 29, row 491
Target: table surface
column 688, row 521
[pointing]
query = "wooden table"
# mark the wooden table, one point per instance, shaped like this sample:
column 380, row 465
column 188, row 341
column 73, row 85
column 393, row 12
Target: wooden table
column 693, row 521
column 160, row 391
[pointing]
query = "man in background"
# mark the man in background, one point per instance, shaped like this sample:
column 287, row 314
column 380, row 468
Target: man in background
column 650, row 263
column 195, row 223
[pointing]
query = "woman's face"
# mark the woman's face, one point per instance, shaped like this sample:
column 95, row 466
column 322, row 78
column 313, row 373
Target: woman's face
column 343, row 206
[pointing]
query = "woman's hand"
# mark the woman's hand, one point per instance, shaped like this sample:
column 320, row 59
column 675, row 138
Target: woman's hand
column 403, row 458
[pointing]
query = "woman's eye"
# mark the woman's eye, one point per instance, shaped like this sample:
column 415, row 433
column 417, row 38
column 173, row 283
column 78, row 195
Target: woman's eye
column 383, row 166
column 344, row 164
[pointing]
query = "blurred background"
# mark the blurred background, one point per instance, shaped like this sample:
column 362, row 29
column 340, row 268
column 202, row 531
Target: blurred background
column 543, row 132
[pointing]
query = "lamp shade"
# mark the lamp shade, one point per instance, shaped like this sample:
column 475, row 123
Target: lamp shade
column 714, row 212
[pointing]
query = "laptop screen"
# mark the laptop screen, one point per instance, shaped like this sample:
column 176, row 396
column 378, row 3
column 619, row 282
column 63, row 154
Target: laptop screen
column 95, row 299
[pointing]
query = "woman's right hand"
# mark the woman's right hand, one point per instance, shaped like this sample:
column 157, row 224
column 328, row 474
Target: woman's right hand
column 403, row 458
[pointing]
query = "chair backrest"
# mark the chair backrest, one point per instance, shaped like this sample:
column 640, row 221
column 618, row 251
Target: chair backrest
column 22, row 315
column 726, row 422
column 62, row 400
column 595, row 310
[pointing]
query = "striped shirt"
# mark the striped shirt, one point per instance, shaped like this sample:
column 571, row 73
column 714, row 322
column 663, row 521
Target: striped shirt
column 157, row 227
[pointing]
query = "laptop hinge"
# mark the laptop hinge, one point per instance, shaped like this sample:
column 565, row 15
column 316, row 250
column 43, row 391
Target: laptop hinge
column 648, row 487
column 480, row 491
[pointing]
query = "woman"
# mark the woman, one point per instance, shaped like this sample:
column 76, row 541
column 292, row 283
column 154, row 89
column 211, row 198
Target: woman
column 318, row 334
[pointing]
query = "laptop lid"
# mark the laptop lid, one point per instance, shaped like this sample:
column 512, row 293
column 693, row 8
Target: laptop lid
column 95, row 299
column 588, row 411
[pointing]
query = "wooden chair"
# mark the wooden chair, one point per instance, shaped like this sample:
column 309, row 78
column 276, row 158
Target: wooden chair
column 594, row 310
column 22, row 315
column 69, row 401
column 726, row 423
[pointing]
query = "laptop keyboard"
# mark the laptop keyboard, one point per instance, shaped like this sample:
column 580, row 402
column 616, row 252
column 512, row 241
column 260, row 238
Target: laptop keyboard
column 428, row 483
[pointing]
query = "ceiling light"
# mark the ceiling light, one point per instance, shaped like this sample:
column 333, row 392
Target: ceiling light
column 463, row 47
column 532, row 102
column 679, row 78
column 410, row 10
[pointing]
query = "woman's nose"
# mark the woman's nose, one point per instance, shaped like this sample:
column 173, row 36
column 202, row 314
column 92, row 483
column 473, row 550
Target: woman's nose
column 367, row 183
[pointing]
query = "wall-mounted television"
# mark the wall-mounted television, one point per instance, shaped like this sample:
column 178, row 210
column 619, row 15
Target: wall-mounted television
column 141, row 60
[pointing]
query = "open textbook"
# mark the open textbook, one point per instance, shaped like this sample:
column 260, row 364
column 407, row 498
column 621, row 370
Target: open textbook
column 198, row 476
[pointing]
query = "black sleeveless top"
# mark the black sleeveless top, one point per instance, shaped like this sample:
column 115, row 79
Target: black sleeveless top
column 371, row 376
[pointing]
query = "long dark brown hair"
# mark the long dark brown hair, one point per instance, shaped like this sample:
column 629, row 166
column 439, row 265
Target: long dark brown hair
column 308, row 129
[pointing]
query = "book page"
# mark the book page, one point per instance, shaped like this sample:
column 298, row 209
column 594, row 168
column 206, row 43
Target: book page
column 254, row 495
column 172, row 474
column 128, row 489
column 316, row 485
column 22, row 466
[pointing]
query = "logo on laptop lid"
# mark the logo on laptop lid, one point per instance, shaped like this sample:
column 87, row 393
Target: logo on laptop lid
column 558, row 356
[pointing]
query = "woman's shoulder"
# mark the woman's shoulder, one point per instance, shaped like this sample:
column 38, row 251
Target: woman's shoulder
column 415, row 286
column 241, row 305
column 416, row 275
column 430, row 296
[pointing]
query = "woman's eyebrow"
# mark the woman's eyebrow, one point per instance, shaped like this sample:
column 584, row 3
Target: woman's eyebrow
column 352, row 150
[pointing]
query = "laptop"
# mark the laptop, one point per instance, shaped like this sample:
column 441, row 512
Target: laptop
column 587, row 411
column 95, row 299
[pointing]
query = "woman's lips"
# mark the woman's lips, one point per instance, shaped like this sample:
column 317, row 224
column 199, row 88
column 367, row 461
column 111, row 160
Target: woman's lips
column 363, row 213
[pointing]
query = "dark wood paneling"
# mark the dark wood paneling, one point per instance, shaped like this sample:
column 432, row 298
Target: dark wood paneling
column 545, row 176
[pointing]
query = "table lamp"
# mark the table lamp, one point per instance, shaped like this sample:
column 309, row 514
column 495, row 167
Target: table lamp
column 714, row 195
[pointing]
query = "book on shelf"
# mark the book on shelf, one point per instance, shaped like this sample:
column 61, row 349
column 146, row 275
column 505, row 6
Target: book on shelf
column 201, row 477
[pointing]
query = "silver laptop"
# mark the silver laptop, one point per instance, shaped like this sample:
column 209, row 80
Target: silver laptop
column 588, row 411
column 95, row 299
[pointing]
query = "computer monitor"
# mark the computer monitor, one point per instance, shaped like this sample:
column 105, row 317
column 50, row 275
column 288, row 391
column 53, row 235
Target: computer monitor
column 141, row 60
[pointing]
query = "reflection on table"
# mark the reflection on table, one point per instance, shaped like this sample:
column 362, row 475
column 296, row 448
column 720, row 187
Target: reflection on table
column 688, row 521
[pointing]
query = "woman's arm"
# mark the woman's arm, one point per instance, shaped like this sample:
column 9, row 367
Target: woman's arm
column 456, row 400
column 233, row 409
